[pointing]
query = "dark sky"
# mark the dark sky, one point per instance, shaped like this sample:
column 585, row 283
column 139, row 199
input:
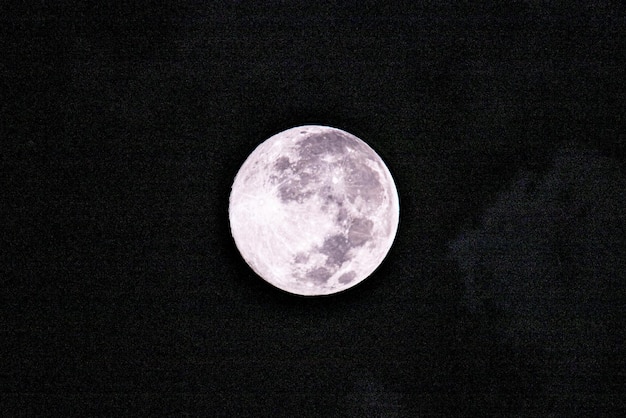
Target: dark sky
column 123, row 128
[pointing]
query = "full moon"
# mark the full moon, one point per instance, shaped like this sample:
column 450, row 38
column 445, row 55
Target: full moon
column 314, row 210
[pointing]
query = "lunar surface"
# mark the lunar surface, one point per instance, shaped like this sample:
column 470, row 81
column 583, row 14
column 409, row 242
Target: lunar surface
column 314, row 210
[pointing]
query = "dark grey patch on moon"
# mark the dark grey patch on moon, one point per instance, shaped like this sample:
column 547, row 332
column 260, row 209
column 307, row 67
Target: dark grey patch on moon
column 305, row 178
column 364, row 176
column 362, row 148
column 329, row 143
column 360, row 231
column 282, row 164
column 362, row 181
column 336, row 248
column 342, row 215
column 347, row 277
column 294, row 181
column 330, row 197
column 297, row 178
column 291, row 190
column 319, row 275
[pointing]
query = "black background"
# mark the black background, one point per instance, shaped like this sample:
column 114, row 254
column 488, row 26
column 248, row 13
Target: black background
column 123, row 128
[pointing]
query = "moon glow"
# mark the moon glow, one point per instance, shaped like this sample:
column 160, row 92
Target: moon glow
column 314, row 210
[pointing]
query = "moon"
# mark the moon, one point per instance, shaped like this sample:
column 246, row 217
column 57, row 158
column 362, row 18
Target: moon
column 314, row 210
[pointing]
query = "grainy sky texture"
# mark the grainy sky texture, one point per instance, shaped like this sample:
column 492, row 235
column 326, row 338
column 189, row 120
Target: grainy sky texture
column 124, row 124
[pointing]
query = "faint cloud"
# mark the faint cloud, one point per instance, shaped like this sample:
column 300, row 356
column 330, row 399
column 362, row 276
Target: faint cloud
column 549, row 257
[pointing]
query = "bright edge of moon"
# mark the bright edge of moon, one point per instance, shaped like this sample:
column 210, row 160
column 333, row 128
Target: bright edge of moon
column 314, row 210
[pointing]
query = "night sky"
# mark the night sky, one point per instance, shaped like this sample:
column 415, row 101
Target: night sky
column 123, row 128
